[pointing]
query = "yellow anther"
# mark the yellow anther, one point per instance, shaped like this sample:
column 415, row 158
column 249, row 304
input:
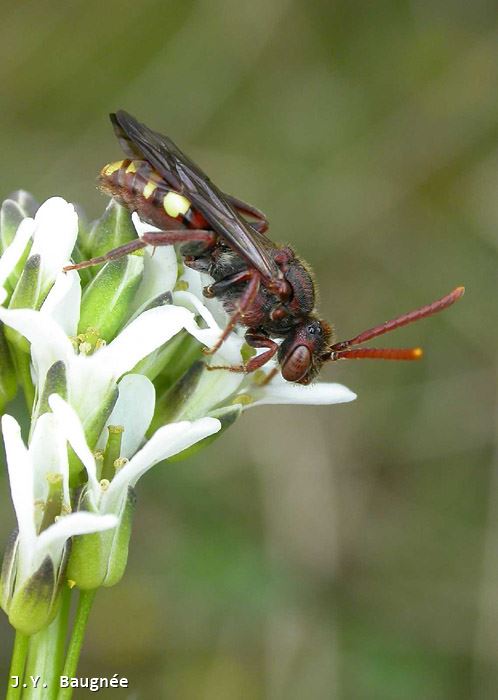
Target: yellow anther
column 104, row 484
column 243, row 399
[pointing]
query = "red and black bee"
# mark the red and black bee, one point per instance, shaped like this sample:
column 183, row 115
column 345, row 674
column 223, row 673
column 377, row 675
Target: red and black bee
column 262, row 285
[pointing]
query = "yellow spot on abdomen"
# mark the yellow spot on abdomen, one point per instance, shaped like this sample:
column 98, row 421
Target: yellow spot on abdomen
column 149, row 189
column 112, row 167
column 132, row 168
column 174, row 204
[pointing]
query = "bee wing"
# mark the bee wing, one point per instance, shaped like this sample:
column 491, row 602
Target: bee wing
column 185, row 177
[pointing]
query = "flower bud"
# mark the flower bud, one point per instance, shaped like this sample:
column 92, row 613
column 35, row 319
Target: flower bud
column 8, row 378
column 106, row 302
column 170, row 361
column 114, row 228
column 25, row 296
column 171, row 401
column 99, row 559
column 55, row 383
column 17, row 207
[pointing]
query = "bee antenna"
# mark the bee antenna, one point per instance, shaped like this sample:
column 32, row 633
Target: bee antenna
column 346, row 350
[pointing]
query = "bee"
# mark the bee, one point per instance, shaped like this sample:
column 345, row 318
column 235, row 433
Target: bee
column 263, row 286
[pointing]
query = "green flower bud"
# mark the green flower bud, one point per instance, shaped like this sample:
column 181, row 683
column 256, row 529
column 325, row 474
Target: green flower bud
column 25, row 296
column 106, row 301
column 171, row 401
column 14, row 209
column 55, row 383
column 8, row 377
column 169, row 362
column 114, row 228
column 99, row 559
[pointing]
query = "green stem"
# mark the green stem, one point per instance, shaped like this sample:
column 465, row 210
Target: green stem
column 17, row 666
column 75, row 643
column 61, row 639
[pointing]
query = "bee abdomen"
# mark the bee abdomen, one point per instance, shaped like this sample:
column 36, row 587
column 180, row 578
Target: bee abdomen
column 136, row 184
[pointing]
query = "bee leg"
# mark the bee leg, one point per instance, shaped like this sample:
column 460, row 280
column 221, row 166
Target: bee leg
column 114, row 254
column 258, row 340
column 261, row 223
column 153, row 238
column 246, row 300
column 255, row 340
column 186, row 235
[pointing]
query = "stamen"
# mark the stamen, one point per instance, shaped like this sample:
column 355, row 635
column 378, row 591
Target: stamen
column 53, row 504
column 112, row 450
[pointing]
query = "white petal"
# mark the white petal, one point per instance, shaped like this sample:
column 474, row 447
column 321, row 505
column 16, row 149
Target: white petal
column 48, row 341
column 48, row 451
column 56, row 230
column 70, row 426
column 14, row 251
column 192, row 302
column 212, row 389
column 147, row 332
column 21, row 485
column 229, row 352
column 278, row 391
column 51, row 541
column 142, row 227
column 90, row 385
column 166, row 442
column 3, row 295
column 133, row 410
column 64, row 300
column 196, row 282
column 159, row 275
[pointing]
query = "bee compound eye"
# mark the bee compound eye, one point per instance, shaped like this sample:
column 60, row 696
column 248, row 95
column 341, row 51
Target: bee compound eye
column 297, row 364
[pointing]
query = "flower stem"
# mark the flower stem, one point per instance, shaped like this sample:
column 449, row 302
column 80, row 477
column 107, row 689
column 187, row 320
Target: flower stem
column 75, row 643
column 17, row 666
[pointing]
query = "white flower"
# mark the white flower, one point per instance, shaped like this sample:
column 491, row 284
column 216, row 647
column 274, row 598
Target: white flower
column 90, row 378
column 34, row 565
column 221, row 388
column 100, row 560
column 53, row 232
column 166, row 442
column 54, row 236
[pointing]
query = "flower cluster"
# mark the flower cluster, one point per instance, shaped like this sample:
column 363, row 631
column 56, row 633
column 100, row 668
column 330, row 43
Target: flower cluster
column 110, row 363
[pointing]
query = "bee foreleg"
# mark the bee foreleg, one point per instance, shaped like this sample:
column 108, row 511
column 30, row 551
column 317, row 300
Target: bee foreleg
column 245, row 302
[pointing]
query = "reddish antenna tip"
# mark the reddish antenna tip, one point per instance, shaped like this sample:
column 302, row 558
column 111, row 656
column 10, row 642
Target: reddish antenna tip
column 417, row 353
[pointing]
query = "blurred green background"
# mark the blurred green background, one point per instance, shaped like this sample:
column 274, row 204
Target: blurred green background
column 345, row 552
